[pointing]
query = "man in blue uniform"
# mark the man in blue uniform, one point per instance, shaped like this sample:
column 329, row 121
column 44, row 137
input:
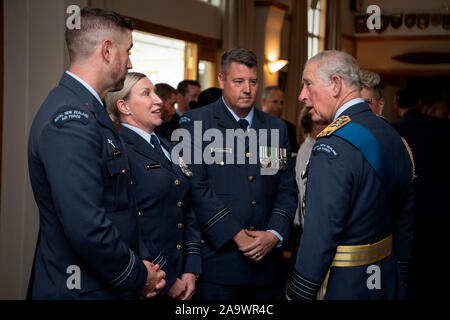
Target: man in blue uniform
column 89, row 245
column 357, row 236
column 244, row 214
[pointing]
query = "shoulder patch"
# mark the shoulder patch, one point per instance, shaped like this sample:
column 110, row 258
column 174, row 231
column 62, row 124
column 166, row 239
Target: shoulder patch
column 184, row 119
column 325, row 148
column 336, row 124
column 69, row 113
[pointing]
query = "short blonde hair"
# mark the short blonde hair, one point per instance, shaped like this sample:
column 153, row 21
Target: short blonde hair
column 111, row 98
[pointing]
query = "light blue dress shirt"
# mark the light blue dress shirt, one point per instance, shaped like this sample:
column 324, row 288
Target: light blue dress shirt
column 347, row 105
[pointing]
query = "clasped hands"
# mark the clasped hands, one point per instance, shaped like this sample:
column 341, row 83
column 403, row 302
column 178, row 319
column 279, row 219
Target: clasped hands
column 182, row 289
column 155, row 280
column 255, row 244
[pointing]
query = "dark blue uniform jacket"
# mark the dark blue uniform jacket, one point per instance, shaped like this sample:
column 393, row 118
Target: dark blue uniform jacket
column 346, row 204
column 229, row 196
column 88, row 217
column 163, row 196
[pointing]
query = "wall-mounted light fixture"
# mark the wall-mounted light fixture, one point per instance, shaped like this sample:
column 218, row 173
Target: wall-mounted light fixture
column 276, row 65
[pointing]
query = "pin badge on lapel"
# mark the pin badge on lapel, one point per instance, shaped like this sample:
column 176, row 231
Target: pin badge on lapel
column 116, row 152
column 184, row 168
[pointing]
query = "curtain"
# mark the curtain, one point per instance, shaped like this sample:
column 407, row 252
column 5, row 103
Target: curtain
column 333, row 27
column 238, row 24
column 298, row 54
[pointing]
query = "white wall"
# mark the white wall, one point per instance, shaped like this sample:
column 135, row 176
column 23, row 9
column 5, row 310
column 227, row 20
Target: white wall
column 34, row 60
column 187, row 15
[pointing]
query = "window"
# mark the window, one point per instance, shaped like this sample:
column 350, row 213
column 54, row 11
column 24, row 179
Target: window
column 314, row 13
column 212, row 2
column 162, row 59
column 206, row 74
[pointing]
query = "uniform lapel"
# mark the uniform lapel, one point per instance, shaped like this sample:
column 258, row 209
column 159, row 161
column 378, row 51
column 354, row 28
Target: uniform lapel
column 142, row 147
column 224, row 118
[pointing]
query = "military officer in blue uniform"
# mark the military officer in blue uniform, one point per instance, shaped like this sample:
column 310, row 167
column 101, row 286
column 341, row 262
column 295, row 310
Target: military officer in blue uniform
column 162, row 188
column 244, row 215
column 89, row 243
column 357, row 238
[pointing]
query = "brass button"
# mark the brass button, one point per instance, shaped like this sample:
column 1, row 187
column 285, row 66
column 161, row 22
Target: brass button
column 131, row 182
column 248, row 154
column 123, row 171
column 179, row 204
column 178, row 247
column 250, row 178
column 202, row 241
column 177, row 182
column 253, row 203
column 139, row 213
column 222, row 163
column 252, row 228
column 180, row 226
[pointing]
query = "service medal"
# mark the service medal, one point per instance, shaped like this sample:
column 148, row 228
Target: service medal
column 264, row 158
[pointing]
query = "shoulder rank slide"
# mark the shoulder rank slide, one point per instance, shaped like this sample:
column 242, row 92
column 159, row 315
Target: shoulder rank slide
column 336, row 124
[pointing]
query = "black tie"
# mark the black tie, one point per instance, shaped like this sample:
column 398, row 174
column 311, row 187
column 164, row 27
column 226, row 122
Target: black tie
column 157, row 146
column 243, row 124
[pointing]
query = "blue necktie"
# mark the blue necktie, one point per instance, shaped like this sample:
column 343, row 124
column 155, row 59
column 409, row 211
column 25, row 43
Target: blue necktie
column 154, row 140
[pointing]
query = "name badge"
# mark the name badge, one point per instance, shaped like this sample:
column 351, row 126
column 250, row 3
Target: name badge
column 152, row 166
column 222, row 150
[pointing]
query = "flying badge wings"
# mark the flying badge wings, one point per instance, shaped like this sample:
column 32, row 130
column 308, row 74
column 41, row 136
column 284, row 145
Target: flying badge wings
column 336, row 124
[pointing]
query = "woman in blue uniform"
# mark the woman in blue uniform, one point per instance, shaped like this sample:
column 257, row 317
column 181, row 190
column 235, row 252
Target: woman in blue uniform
column 162, row 188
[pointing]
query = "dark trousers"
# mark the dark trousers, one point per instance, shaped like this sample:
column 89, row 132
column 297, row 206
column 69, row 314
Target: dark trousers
column 212, row 291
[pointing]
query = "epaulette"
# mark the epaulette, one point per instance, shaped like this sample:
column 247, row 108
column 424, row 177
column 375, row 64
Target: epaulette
column 336, row 124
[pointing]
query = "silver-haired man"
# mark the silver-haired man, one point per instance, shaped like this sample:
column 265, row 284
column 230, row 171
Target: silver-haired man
column 358, row 217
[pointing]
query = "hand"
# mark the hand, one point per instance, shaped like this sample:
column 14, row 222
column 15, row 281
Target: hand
column 264, row 242
column 242, row 239
column 177, row 290
column 189, row 279
column 155, row 280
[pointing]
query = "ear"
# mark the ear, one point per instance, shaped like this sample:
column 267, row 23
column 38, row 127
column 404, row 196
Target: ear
column 221, row 79
column 106, row 47
column 381, row 104
column 123, row 107
column 336, row 85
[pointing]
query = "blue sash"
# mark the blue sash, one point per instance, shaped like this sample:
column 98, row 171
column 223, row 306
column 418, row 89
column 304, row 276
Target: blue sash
column 373, row 152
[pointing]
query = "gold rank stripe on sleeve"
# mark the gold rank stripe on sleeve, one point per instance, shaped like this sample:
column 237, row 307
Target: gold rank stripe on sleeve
column 358, row 255
column 336, row 124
